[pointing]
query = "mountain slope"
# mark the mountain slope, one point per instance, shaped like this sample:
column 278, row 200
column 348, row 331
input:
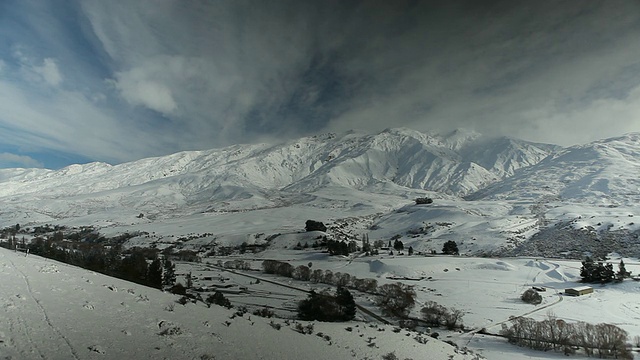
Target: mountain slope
column 261, row 175
column 604, row 172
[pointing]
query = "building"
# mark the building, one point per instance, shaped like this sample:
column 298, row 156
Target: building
column 579, row 290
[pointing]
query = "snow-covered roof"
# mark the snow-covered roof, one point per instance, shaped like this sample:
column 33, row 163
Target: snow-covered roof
column 580, row 288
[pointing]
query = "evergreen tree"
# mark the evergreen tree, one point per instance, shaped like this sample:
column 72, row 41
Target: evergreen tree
column 607, row 274
column 592, row 273
column 450, row 248
column 346, row 303
column 324, row 307
column 154, row 274
column 587, row 270
column 410, row 250
column 169, row 274
column 134, row 268
column 622, row 272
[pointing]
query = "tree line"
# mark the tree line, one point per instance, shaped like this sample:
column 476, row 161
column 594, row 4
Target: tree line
column 304, row 273
column 137, row 265
column 608, row 341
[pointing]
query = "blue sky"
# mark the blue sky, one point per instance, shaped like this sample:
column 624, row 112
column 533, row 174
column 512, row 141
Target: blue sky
column 116, row 81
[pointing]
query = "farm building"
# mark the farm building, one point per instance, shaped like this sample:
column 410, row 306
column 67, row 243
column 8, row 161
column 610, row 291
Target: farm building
column 580, row 290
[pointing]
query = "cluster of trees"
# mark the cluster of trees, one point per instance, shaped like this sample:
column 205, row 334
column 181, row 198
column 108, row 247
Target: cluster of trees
column 438, row 315
column 312, row 225
column 325, row 307
column 592, row 272
column 423, row 200
column 304, row 273
column 135, row 265
column 607, row 340
column 341, row 247
column 450, row 248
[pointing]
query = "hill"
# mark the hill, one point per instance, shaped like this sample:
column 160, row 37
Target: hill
column 54, row 311
column 492, row 195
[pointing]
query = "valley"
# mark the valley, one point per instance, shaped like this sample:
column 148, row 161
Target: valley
column 521, row 214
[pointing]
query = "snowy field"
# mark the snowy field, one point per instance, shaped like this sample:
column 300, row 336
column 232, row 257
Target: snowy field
column 487, row 290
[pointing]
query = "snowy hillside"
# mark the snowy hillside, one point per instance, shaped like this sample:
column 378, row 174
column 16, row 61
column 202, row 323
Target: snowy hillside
column 491, row 194
column 50, row 310
column 259, row 176
column 601, row 173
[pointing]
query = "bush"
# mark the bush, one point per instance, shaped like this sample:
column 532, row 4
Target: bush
column 304, row 329
column 178, row 289
column 265, row 312
column 218, row 298
column 531, row 296
column 390, row 356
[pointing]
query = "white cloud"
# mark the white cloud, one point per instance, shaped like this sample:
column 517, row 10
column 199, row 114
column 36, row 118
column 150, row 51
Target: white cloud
column 149, row 93
column 12, row 160
column 49, row 72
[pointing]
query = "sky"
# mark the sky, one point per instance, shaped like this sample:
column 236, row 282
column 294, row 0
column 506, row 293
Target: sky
column 116, row 81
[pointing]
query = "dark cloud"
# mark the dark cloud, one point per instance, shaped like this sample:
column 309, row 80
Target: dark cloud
column 141, row 78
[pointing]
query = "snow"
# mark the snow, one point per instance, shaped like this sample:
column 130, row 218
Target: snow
column 524, row 203
column 581, row 288
column 50, row 310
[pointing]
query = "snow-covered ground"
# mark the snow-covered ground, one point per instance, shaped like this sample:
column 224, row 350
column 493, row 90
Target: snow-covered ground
column 500, row 197
column 50, row 310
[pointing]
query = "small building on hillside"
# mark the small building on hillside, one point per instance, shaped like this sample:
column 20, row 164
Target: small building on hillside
column 579, row 290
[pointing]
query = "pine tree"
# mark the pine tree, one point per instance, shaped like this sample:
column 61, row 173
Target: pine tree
column 169, row 274
column 622, row 272
column 450, row 248
column 587, row 270
column 134, row 268
column 346, row 303
column 607, row 274
column 154, row 274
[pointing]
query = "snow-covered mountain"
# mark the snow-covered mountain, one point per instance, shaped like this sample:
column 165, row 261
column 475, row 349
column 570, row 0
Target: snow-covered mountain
column 457, row 164
column 493, row 192
column 604, row 172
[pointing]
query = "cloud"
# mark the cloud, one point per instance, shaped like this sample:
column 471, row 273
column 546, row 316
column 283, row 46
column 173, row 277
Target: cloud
column 49, row 72
column 13, row 160
column 116, row 81
column 145, row 92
